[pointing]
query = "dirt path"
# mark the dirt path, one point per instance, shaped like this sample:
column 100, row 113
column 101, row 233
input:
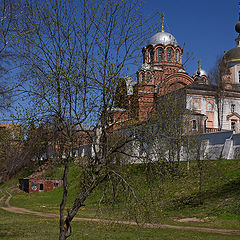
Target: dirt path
column 12, row 209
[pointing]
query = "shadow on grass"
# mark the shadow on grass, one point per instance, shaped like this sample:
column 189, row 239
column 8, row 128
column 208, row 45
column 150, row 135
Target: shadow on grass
column 228, row 190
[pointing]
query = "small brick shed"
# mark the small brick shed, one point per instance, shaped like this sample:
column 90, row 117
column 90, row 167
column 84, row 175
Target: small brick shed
column 31, row 185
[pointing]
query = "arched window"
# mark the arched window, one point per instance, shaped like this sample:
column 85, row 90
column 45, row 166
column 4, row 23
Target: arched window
column 143, row 77
column 148, row 77
column 160, row 54
column 177, row 56
column 209, row 107
column 151, row 55
column 169, row 55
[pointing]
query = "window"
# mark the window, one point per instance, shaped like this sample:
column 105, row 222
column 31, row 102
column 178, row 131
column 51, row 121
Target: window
column 196, row 105
column 151, row 53
column 160, row 54
column 194, row 124
column 143, row 77
column 169, row 55
column 238, row 76
column 177, row 56
column 148, row 77
column 232, row 108
column 205, row 125
column 209, row 107
column 41, row 186
column 233, row 125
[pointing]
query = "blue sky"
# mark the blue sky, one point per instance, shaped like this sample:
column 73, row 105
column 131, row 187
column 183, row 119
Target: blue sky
column 207, row 27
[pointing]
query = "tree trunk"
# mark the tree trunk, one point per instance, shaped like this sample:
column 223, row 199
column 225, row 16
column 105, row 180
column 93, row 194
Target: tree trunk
column 63, row 228
column 200, row 184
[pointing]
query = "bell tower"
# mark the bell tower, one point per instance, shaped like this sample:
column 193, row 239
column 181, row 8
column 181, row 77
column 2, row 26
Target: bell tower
column 231, row 62
column 161, row 72
column 161, row 57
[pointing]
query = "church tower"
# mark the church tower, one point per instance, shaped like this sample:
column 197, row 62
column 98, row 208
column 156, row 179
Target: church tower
column 161, row 72
column 231, row 60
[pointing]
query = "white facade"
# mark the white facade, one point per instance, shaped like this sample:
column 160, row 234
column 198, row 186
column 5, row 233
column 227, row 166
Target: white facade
column 208, row 106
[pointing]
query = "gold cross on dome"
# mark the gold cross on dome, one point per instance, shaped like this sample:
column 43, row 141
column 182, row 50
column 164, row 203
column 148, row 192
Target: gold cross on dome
column 162, row 28
column 199, row 65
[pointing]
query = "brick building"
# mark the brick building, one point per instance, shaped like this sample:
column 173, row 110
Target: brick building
column 212, row 107
column 31, row 185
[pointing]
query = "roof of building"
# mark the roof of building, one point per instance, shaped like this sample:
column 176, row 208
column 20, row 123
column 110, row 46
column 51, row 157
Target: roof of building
column 212, row 89
column 41, row 179
column 198, row 86
column 163, row 38
column 233, row 54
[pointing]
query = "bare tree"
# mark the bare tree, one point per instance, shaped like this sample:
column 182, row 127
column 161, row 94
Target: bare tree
column 74, row 53
column 220, row 76
column 9, row 14
column 11, row 150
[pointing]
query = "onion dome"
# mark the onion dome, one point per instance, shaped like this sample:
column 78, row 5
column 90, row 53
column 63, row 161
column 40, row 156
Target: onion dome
column 200, row 73
column 163, row 38
column 237, row 27
column 233, row 55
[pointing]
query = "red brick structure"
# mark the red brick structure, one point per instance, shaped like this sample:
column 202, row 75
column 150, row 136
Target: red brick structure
column 162, row 72
column 212, row 108
column 31, row 185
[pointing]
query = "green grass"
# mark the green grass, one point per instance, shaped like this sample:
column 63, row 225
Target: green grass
column 163, row 199
column 28, row 227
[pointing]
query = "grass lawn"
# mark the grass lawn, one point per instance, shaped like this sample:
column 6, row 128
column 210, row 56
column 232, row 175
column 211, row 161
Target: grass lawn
column 28, row 227
column 163, row 201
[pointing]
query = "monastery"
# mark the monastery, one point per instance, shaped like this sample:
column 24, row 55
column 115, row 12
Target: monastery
column 213, row 107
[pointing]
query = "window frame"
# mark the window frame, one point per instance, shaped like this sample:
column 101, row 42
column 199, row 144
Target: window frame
column 151, row 55
column 143, row 77
column 194, row 124
column 194, row 105
column 210, row 104
column 160, row 51
column 169, row 54
column 177, row 56
column 233, row 123
column 148, row 77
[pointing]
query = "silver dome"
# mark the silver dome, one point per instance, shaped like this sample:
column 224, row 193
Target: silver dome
column 162, row 38
column 202, row 73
